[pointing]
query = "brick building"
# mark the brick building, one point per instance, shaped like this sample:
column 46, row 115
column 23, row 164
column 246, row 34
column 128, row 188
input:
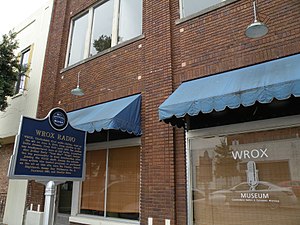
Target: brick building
column 169, row 55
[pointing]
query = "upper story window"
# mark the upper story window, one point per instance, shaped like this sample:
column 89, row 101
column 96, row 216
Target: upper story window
column 189, row 7
column 24, row 64
column 104, row 26
column 78, row 39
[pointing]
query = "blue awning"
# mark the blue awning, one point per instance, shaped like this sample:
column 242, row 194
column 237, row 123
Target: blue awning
column 262, row 82
column 122, row 114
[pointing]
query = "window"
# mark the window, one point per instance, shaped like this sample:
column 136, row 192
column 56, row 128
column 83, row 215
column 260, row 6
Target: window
column 111, row 187
column 78, row 39
column 245, row 174
column 24, row 63
column 65, row 197
column 104, row 26
column 189, row 7
column 130, row 24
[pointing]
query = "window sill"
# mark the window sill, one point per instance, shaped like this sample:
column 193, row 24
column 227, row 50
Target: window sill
column 103, row 53
column 94, row 220
column 204, row 11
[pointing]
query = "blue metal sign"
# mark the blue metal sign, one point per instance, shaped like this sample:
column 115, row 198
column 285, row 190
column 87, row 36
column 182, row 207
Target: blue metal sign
column 49, row 149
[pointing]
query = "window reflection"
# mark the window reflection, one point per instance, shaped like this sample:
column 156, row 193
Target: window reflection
column 78, row 39
column 246, row 178
column 20, row 85
column 130, row 24
column 102, row 27
column 65, row 197
column 192, row 6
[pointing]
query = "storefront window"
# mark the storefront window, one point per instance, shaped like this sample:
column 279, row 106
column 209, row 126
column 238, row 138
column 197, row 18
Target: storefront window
column 111, row 187
column 65, row 197
column 245, row 177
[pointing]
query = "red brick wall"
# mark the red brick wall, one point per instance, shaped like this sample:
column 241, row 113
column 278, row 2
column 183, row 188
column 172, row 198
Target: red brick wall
column 168, row 54
column 35, row 195
column 5, row 153
column 114, row 75
column 215, row 42
column 35, row 191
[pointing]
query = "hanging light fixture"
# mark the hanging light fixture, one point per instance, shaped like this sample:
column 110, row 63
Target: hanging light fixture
column 256, row 29
column 77, row 91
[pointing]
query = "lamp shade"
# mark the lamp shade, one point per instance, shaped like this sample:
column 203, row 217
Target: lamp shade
column 256, row 30
column 77, row 91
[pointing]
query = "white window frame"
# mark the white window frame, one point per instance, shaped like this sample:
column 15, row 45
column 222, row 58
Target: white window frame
column 18, row 89
column 76, row 216
column 201, row 11
column 88, row 35
column 90, row 12
column 255, row 126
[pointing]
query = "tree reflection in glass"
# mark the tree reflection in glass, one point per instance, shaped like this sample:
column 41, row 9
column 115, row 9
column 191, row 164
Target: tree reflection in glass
column 102, row 43
column 102, row 27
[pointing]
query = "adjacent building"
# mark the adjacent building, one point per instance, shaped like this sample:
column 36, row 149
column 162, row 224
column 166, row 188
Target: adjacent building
column 32, row 37
column 189, row 121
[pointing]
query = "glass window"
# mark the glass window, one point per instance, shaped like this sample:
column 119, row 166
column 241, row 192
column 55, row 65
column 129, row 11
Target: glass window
column 93, row 188
column 246, row 177
column 20, row 85
column 77, row 46
column 130, row 24
column 102, row 27
column 65, row 197
column 192, row 6
column 105, row 26
column 111, row 188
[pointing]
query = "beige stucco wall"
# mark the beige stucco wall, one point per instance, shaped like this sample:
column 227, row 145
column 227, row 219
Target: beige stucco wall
column 33, row 33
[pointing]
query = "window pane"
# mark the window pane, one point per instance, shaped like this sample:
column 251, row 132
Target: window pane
column 124, row 182
column 102, row 27
column 79, row 32
column 193, row 6
column 20, row 86
column 246, row 178
column 130, row 23
column 25, row 59
column 92, row 198
column 65, row 197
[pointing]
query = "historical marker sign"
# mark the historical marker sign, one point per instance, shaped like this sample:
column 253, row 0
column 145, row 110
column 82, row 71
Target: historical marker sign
column 48, row 149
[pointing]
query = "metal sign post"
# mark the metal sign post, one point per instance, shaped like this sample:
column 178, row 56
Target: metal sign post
column 50, row 193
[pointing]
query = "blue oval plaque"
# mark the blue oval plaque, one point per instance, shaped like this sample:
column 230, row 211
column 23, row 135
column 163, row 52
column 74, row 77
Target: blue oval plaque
column 58, row 119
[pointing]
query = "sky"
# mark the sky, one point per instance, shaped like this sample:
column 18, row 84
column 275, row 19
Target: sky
column 13, row 12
